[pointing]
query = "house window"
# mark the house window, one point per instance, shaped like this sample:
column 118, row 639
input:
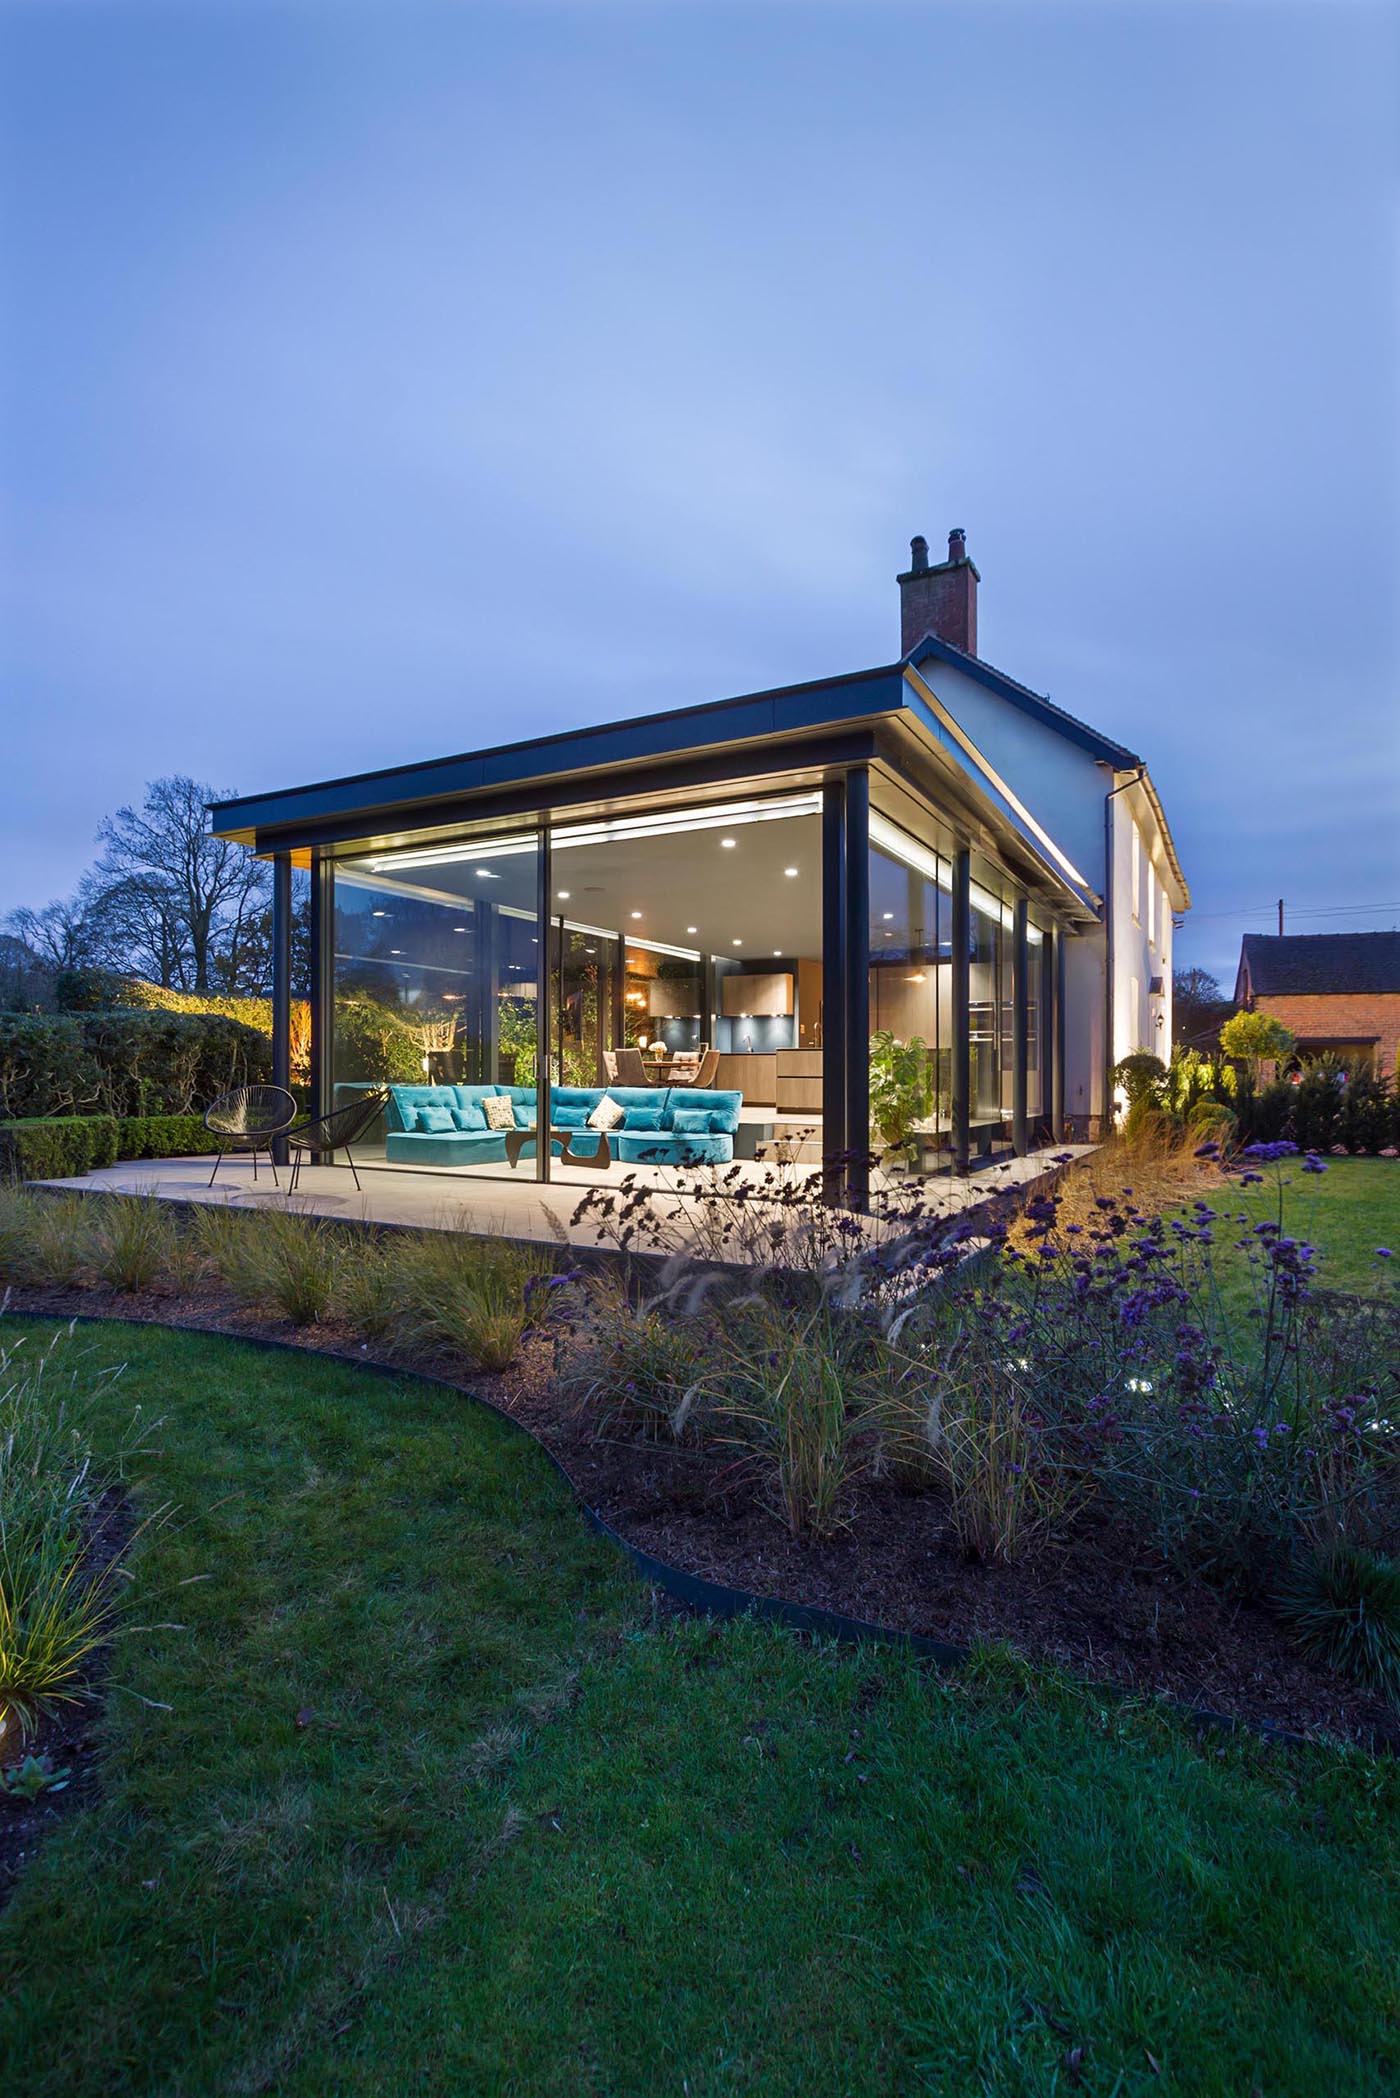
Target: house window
column 1151, row 903
column 1137, row 874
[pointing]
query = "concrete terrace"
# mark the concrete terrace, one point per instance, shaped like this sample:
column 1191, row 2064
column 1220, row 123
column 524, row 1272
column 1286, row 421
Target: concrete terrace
column 508, row 1207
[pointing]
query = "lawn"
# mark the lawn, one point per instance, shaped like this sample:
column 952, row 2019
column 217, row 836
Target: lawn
column 425, row 1797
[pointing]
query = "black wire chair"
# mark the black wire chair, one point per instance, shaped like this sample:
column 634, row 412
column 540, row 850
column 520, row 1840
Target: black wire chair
column 250, row 1118
column 324, row 1135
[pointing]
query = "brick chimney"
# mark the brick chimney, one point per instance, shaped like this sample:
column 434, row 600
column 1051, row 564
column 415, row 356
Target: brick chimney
column 941, row 600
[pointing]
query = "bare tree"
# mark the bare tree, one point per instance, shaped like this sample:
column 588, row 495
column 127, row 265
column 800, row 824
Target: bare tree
column 169, row 896
column 60, row 936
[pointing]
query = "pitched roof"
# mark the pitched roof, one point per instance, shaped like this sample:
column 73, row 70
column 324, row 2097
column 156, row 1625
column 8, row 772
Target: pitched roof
column 1323, row 963
column 1033, row 703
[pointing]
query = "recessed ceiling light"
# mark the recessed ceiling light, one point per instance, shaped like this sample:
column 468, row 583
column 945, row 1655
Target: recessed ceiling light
column 562, row 894
column 379, row 914
column 692, row 928
column 729, row 843
column 485, row 874
column 887, row 914
column 736, row 943
column 791, row 873
column 396, row 950
column 777, row 951
column 459, row 928
column 636, row 914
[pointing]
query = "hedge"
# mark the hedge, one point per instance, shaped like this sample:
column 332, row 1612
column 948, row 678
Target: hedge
column 164, row 1136
column 124, row 1063
column 57, row 1147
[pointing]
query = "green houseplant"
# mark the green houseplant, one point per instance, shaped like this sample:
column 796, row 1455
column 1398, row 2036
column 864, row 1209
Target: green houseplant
column 900, row 1087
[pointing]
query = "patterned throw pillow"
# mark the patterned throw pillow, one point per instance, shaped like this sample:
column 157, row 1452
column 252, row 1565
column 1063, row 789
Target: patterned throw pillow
column 607, row 1114
column 499, row 1112
column 642, row 1118
column 692, row 1121
column 434, row 1120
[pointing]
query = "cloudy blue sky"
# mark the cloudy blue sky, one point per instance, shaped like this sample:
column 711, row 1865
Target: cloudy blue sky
column 380, row 381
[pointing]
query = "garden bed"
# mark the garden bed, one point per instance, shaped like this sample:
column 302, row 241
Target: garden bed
column 1101, row 1606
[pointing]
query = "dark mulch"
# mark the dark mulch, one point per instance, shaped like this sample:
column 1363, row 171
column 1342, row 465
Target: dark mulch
column 1102, row 1608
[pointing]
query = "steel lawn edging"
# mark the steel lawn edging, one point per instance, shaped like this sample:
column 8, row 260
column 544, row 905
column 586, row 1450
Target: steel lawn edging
column 696, row 1593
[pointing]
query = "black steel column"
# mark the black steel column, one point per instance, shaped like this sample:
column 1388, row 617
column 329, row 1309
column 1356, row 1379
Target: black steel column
column 1057, row 1093
column 543, row 987
column 1020, row 1021
column 322, row 977
column 962, row 993
column 833, row 990
column 858, row 985
column 281, row 983
column 1047, row 1032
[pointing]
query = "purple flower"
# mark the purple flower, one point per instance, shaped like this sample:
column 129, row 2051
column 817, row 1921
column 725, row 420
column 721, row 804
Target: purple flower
column 1269, row 1154
column 1313, row 1164
column 1384, row 1253
column 1208, row 1151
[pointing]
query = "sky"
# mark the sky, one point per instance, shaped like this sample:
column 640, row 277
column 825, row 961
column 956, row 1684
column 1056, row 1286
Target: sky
column 383, row 381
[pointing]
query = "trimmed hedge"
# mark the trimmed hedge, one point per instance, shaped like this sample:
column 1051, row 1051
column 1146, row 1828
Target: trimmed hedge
column 57, row 1147
column 164, row 1136
column 124, row 1063
column 60, row 1147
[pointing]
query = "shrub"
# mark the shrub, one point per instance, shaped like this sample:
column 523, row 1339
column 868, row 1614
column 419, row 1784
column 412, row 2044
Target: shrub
column 1267, row 1113
column 366, row 1292
column 1142, row 1077
column 124, row 1063
column 1364, row 1123
column 1255, row 1039
column 164, row 1136
column 1342, row 1607
column 374, row 1041
column 1317, row 1108
column 58, row 1147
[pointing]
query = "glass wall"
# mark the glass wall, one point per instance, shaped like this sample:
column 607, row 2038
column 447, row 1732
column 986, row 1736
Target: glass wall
column 911, row 1008
column 436, row 966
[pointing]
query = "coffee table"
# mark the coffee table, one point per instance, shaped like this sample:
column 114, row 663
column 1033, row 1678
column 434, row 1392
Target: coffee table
column 517, row 1139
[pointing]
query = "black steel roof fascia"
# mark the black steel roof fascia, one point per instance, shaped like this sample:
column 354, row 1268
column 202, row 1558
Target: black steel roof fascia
column 857, row 746
column 787, row 711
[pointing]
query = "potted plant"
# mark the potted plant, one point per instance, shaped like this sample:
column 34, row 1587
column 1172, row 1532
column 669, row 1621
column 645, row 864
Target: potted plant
column 899, row 1087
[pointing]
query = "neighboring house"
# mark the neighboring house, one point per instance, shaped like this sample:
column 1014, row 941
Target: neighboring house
column 785, row 887
column 1338, row 992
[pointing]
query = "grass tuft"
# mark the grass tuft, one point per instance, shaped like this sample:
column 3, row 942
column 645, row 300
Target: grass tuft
column 1343, row 1608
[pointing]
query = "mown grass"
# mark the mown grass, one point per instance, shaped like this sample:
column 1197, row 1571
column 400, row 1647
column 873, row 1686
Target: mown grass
column 528, row 1838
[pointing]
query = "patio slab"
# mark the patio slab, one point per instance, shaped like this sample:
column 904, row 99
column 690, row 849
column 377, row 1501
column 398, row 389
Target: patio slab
column 510, row 1206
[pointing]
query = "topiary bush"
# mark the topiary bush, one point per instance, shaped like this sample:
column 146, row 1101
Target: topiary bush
column 1317, row 1107
column 1365, row 1121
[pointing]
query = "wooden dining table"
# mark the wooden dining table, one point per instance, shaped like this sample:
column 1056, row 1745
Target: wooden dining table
column 662, row 1070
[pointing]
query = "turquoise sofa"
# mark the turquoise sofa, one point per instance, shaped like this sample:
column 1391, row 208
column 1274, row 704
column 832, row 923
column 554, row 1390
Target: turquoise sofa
column 665, row 1125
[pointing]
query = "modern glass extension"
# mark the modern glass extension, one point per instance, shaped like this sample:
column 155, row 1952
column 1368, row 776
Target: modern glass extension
column 875, row 997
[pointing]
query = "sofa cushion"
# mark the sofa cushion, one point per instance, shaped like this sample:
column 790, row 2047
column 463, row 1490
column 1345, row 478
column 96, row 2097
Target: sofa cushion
column 433, row 1119
column 566, row 1116
column 456, row 1147
column 607, row 1114
column 643, row 1117
column 405, row 1101
column 695, row 1121
column 469, row 1116
column 499, row 1112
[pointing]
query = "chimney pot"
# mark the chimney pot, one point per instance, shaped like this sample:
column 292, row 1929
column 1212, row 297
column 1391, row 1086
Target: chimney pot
column 957, row 544
column 918, row 553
